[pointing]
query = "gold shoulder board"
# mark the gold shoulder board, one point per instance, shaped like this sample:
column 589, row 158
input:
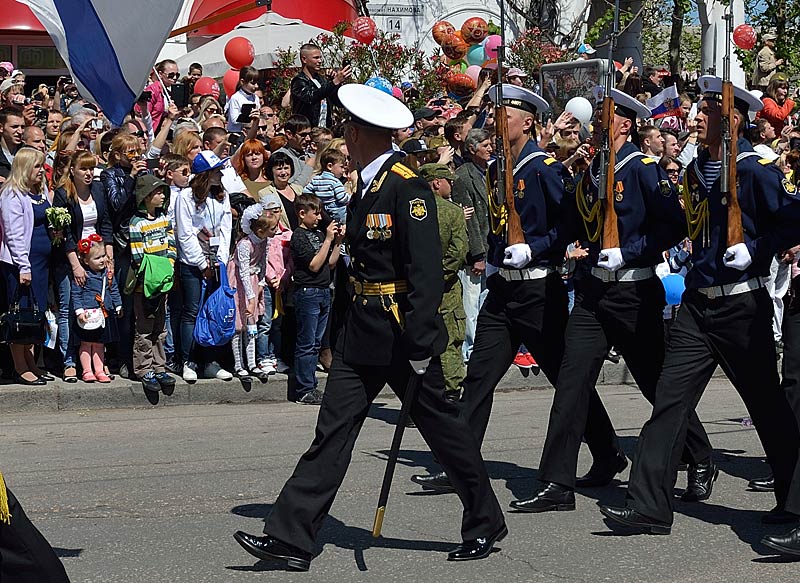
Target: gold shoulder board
column 648, row 160
column 549, row 161
column 764, row 161
column 403, row 171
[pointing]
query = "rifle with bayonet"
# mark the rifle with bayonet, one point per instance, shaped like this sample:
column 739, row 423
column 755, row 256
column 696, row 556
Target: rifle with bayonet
column 729, row 149
column 505, row 159
column 607, row 156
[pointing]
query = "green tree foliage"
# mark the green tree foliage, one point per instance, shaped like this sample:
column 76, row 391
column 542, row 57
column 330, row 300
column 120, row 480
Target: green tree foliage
column 783, row 18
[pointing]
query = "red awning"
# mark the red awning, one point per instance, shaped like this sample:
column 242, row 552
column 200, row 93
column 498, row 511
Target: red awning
column 18, row 18
column 322, row 13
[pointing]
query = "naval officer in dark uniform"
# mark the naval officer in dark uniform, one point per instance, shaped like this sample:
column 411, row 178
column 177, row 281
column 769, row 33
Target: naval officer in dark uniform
column 725, row 319
column 391, row 330
column 619, row 302
column 527, row 299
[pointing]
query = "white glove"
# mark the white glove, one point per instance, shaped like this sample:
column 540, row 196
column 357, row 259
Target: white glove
column 518, row 256
column 420, row 366
column 737, row 256
column 611, row 259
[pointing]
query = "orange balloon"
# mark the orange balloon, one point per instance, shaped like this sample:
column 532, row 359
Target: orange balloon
column 454, row 47
column 474, row 30
column 441, row 30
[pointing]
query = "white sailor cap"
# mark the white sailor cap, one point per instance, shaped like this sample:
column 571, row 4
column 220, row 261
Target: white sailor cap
column 624, row 105
column 744, row 100
column 519, row 98
column 372, row 107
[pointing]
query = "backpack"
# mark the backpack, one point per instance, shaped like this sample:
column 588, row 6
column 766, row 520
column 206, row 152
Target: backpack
column 216, row 320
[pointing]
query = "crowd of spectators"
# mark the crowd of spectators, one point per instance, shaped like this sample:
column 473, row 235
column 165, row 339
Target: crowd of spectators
column 255, row 193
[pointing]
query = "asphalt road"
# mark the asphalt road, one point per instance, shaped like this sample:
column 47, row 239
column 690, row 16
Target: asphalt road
column 155, row 495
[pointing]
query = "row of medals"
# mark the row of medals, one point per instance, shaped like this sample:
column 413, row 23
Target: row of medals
column 379, row 227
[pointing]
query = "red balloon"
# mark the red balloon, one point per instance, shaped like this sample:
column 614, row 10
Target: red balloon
column 744, row 37
column 230, row 81
column 461, row 84
column 474, row 30
column 207, row 86
column 454, row 47
column 364, row 29
column 239, row 52
column 441, row 30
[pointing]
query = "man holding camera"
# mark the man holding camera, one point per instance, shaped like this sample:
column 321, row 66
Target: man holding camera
column 311, row 91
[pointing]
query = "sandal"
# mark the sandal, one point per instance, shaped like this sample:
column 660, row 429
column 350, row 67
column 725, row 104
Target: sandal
column 102, row 377
column 88, row 377
column 70, row 377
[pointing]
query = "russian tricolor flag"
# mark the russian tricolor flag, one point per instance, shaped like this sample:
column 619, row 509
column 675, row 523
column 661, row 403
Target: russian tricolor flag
column 109, row 46
column 665, row 103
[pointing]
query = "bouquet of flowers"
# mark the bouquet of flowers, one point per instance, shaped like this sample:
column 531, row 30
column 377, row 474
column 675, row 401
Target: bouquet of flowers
column 57, row 218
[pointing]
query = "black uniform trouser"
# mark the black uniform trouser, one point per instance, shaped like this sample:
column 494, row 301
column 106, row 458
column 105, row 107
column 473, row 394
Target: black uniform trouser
column 790, row 362
column 533, row 313
column 25, row 555
column 736, row 333
column 628, row 316
column 306, row 498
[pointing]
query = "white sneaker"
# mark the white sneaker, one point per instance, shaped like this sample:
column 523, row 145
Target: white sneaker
column 281, row 367
column 189, row 374
column 268, row 367
column 223, row 375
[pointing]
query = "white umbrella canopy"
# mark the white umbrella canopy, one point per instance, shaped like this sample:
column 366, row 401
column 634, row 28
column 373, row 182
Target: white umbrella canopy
column 268, row 33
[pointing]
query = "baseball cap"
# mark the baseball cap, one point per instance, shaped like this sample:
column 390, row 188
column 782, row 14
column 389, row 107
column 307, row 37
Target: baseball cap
column 205, row 161
column 414, row 146
column 6, row 85
column 425, row 113
column 270, row 201
column 768, row 36
column 587, row 49
column 516, row 72
column 7, row 66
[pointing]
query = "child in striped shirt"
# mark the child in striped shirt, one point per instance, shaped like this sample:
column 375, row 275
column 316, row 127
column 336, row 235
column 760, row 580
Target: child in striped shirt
column 152, row 260
column 328, row 187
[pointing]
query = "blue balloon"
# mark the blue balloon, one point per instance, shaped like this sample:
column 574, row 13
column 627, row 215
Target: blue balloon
column 476, row 55
column 674, row 286
column 379, row 83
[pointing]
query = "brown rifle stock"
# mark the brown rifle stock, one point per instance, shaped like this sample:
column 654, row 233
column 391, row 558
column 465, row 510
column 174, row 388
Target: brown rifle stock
column 514, row 232
column 610, row 227
column 735, row 231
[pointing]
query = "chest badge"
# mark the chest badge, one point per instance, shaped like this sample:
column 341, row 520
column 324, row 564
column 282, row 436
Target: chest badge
column 619, row 188
column 417, row 209
column 520, row 190
column 665, row 186
column 789, row 186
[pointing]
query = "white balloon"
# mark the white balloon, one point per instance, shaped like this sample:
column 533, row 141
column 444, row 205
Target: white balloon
column 581, row 108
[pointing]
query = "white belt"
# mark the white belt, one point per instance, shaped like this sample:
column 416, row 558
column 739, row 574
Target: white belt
column 525, row 274
column 630, row 274
column 733, row 289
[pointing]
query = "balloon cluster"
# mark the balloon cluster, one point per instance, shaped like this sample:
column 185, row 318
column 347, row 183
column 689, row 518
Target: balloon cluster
column 469, row 50
column 239, row 53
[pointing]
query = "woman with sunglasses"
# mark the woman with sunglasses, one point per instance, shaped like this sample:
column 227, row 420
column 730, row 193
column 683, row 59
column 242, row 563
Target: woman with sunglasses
column 168, row 75
column 84, row 199
column 208, row 107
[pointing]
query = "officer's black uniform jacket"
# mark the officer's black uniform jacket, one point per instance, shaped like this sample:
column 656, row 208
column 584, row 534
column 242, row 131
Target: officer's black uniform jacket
column 770, row 218
column 413, row 254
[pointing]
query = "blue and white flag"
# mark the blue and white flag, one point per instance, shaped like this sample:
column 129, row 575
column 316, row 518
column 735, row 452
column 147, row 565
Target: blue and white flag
column 109, row 46
column 665, row 103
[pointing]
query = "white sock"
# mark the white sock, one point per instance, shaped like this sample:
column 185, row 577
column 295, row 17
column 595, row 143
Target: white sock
column 236, row 344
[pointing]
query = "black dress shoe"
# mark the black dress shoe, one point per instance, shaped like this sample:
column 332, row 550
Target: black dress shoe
column 787, row 544
column 632, row 519
column 602, row 472
column 480, row 548
column 762, row 484
column 266, row 547
column 438, row 482
column 549, row 498
column 779, row 516
column 21, row 381
column 46, row 377
column 701, row 479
